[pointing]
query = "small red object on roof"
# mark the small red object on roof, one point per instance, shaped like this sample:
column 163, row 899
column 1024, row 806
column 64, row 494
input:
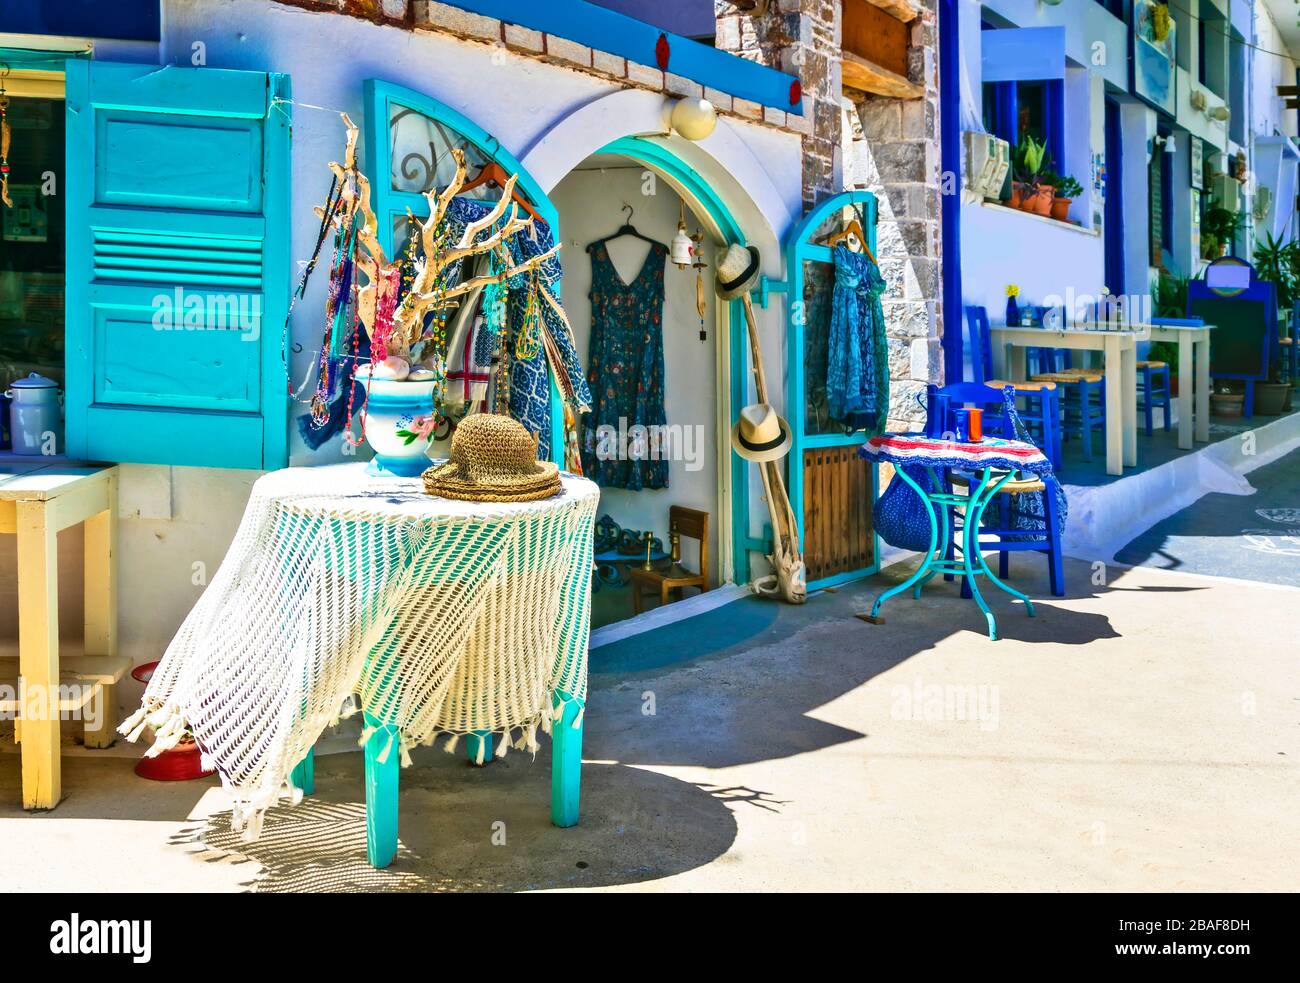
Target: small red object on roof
column 796, row 92
column 662, row 50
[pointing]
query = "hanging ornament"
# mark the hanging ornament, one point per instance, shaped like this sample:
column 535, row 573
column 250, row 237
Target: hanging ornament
column 700, row 266
column 682, row 247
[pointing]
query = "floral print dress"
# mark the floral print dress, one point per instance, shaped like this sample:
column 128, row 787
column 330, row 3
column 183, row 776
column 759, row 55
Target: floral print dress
column 623, row 445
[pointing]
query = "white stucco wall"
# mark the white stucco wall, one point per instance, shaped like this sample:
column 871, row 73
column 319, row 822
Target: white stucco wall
column 999, row 247
column 173, row 519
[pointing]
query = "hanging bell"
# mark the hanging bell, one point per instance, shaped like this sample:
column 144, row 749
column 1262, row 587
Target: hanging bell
column 683, row 247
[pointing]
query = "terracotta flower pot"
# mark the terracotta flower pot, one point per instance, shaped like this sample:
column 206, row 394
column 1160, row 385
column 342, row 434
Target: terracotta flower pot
column 1061, row 209
column 1042, row 202
column 1017, row 195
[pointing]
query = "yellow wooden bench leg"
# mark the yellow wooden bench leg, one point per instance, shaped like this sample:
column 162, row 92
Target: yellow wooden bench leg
column 38, row 654
column 101, row 614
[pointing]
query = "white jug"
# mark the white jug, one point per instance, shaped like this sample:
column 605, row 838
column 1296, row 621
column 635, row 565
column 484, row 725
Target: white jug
column 35, row 416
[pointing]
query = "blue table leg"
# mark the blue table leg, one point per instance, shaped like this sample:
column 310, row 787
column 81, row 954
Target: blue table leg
column 303, row 775
column 479, row 747
column 381, row 792
column 566, row 762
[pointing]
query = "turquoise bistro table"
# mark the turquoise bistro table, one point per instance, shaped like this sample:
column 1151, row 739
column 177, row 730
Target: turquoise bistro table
column 992, row 462
column 461, row 622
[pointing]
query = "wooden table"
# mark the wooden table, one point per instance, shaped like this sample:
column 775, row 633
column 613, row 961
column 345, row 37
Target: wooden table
column 38, row 498
column 1119, row 366
column 1193, row 340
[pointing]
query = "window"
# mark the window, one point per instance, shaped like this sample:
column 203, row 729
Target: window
column 1014, row 110
column 32, row 260
column 1117, row 7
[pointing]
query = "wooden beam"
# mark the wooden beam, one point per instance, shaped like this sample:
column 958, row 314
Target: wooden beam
column 1288, row 90
column 874, row 35
column 865, row 76
column 900, row 9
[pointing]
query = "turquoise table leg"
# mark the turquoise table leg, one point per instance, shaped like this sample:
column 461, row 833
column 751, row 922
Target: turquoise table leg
column 303, row 775
column 479, row 747
column 381, row 793
column 566, row 763
column 927, row 561
column 973, row 557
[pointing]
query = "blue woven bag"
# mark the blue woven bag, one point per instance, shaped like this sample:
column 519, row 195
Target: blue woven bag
column 901, row 516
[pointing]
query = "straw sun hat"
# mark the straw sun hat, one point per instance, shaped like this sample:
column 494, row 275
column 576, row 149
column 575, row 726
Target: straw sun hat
column 493, row 459
column 760, row 434
column 737, row 271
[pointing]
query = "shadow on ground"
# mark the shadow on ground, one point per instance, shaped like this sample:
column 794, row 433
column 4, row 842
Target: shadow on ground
column 488, row 829
column 735, row 697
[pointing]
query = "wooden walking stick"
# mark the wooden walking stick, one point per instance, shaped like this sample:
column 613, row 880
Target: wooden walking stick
column 790, row 580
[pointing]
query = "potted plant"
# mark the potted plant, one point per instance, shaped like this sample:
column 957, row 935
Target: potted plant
column 1067, row 189
column 1278, row 263
column 1221, row 227
column 1227, row 399
column 1035, row 196
column 1168, row 299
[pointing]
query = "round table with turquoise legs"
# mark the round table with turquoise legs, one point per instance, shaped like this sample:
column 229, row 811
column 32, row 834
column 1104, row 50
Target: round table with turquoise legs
column 971, row 565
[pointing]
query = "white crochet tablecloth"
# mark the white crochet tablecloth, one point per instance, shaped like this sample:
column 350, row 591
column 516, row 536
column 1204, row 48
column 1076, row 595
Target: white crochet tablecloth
column 444, row 617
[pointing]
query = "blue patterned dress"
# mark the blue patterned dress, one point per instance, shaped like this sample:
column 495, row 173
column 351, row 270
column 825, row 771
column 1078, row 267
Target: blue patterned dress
column 857, row 371
column 625, row 370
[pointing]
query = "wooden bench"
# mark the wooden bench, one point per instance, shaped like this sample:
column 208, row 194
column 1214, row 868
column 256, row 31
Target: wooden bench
column 38, row 498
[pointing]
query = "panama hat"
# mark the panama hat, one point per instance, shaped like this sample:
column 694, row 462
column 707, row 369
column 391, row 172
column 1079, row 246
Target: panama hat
column 493, row 459
column 737, row 271
column 760, row 435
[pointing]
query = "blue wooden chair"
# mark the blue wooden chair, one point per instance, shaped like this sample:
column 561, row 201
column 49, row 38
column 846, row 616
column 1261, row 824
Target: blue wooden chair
column 1083, row 398
column 1005, row 539
column 1035, row 410
column 1153, row 392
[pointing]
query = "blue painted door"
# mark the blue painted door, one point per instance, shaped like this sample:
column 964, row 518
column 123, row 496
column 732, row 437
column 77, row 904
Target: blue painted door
column 178, row 265
column 832, row 490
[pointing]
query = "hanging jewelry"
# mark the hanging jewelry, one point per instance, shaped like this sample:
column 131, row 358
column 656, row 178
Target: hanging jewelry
column 4, row 142
column 529, row 340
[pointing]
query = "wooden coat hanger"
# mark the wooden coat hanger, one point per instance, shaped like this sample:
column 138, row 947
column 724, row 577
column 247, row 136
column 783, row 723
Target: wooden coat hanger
column 494, row 173
column 626, row 229
column 854, row 228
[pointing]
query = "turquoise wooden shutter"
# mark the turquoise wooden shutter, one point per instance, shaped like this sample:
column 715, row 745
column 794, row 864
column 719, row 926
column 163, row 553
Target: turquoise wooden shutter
column 178, row 265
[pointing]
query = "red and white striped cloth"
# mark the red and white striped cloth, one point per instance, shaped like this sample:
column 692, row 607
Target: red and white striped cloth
column 991, row 452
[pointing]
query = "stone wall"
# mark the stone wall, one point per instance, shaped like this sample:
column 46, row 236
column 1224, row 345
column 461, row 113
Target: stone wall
column 891, row 148
column 887, row 146
column 800, row 37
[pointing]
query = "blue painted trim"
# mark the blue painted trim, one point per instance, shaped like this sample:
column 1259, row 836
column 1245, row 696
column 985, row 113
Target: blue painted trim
column 1022, row 54
column 1054, row 122
column 800, row 248
column 1113, row 216
column 388, row 204
column 950, row 205
column 656, row 155
column 133, row 20
column 618, row 34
